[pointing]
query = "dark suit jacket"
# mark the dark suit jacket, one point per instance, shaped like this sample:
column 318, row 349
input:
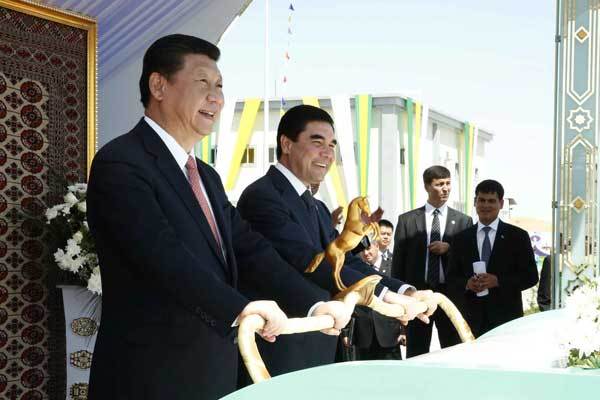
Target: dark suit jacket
column 272, row 207
column 544, row 294
column 512, row 261
column 169, row 298
column 386, row 329
column 410, row 244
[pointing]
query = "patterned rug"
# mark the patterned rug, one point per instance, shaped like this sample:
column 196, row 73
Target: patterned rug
column 43, row 139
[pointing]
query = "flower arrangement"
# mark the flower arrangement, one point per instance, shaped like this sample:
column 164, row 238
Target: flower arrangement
column 76, row 251
column 582, row 328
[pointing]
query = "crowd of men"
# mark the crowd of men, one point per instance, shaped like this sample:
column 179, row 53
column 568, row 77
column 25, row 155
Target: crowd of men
column 181, row 265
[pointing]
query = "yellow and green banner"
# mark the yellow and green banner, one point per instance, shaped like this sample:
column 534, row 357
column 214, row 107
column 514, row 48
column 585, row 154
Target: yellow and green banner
column 243, row 138
column 202, row 149
column 363, row 106
column 334, row 174
column 468, row 146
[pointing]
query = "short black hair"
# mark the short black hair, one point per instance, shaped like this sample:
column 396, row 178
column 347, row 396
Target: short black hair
column 435, row 172
column 386, row 223
column 490, row 186
column 295, row 119
column 165, row 56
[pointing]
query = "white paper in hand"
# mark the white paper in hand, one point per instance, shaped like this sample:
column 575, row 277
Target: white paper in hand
column 479, row 268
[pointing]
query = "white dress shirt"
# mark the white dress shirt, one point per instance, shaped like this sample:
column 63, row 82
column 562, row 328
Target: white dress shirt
column 442, row 216
column 181, row 157
column 296, row 183
column 491, row 234
column 377, row 264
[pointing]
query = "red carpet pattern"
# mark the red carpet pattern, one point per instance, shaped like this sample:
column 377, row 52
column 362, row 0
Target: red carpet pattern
column 43, row 139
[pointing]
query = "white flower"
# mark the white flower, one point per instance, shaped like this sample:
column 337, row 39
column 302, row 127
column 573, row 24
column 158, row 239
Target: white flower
column 70, row 199
column 73, row 248
column 81, row 206
column 582, row 328
column 65, row 208
column 78, row 188
column 86, row 225
column 95, row 281
column 52, row 212
column 67, row 262
column 77, row 237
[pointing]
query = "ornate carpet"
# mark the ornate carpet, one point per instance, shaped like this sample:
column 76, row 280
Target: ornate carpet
column 43, row 140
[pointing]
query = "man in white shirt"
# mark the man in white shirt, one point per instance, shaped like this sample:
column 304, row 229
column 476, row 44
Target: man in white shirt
column 422, row 243
column 386, row 231
column 491, row 298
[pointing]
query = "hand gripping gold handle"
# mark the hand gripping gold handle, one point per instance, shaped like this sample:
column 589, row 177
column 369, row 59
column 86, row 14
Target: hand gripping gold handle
column 360, row 293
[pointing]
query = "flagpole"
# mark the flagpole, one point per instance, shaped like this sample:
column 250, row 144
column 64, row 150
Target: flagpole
column 267, row 78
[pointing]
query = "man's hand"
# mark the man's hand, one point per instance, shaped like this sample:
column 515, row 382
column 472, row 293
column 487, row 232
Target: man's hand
column 413, row 307
column 473, row 284
column 426, row 296
column 337, row 215
column 438, row 247
column 487, row 281
column 338, row 311
column 270, row 312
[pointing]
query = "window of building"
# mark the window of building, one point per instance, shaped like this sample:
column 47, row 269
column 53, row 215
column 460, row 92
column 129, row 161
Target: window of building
column 248, row 157
column 272, row 155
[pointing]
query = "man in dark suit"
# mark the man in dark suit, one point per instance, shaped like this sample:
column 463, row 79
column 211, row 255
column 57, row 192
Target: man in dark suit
column 492, row 298
column 172, row 249
column 280, row 206
column 386, row 232
column 544, row 294
column 376, row 336
column 421, row 246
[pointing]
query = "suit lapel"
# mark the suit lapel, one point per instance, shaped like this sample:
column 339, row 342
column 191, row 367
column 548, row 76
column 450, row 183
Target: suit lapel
column 498, row 248
column 173, row 174
column 450, row 225
column 291, row 198
column 472, row 245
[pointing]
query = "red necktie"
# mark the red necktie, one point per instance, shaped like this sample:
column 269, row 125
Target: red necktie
column 194, row 180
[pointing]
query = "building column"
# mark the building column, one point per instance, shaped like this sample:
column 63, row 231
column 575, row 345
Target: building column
column 390, row 181
column 575, row 222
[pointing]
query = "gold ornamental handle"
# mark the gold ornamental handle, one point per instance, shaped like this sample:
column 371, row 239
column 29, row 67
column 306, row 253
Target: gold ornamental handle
column 459, row 323
column 359, row 293
column 250, row 324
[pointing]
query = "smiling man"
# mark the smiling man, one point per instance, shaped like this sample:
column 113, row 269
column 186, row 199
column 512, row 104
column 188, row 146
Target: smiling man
column 173, row 250
column 281, row 207
column 509, row 264
column 421, row 245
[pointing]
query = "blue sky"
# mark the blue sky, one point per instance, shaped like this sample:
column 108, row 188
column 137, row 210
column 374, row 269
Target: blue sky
column 489, row 62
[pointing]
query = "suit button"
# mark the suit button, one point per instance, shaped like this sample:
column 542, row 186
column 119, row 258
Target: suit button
column 213, row 323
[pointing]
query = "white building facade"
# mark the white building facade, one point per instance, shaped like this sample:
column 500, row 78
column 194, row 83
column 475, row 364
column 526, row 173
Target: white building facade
column 384, row 145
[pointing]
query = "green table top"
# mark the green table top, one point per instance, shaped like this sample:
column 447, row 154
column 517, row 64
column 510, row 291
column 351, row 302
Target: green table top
column 514, row 362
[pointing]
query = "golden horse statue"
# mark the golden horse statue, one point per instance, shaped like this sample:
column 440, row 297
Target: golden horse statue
column 359, row 222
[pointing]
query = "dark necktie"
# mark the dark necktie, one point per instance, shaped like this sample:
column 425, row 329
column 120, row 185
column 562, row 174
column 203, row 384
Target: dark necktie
column 433, row 263
column 486, row 247
column 311, row 208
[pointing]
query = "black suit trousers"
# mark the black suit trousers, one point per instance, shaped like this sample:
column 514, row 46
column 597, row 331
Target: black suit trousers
column 418, row 334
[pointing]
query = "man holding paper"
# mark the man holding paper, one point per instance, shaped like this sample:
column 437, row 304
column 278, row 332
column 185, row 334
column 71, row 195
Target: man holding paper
column 491, row 263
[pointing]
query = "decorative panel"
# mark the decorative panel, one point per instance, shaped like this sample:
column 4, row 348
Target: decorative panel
column 47, row 125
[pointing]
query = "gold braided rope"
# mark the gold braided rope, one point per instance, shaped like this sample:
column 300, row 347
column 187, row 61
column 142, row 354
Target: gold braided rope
column 358, row 223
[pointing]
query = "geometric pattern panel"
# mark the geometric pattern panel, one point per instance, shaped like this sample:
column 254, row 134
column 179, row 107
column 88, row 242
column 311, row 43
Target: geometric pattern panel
column 43, row 146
